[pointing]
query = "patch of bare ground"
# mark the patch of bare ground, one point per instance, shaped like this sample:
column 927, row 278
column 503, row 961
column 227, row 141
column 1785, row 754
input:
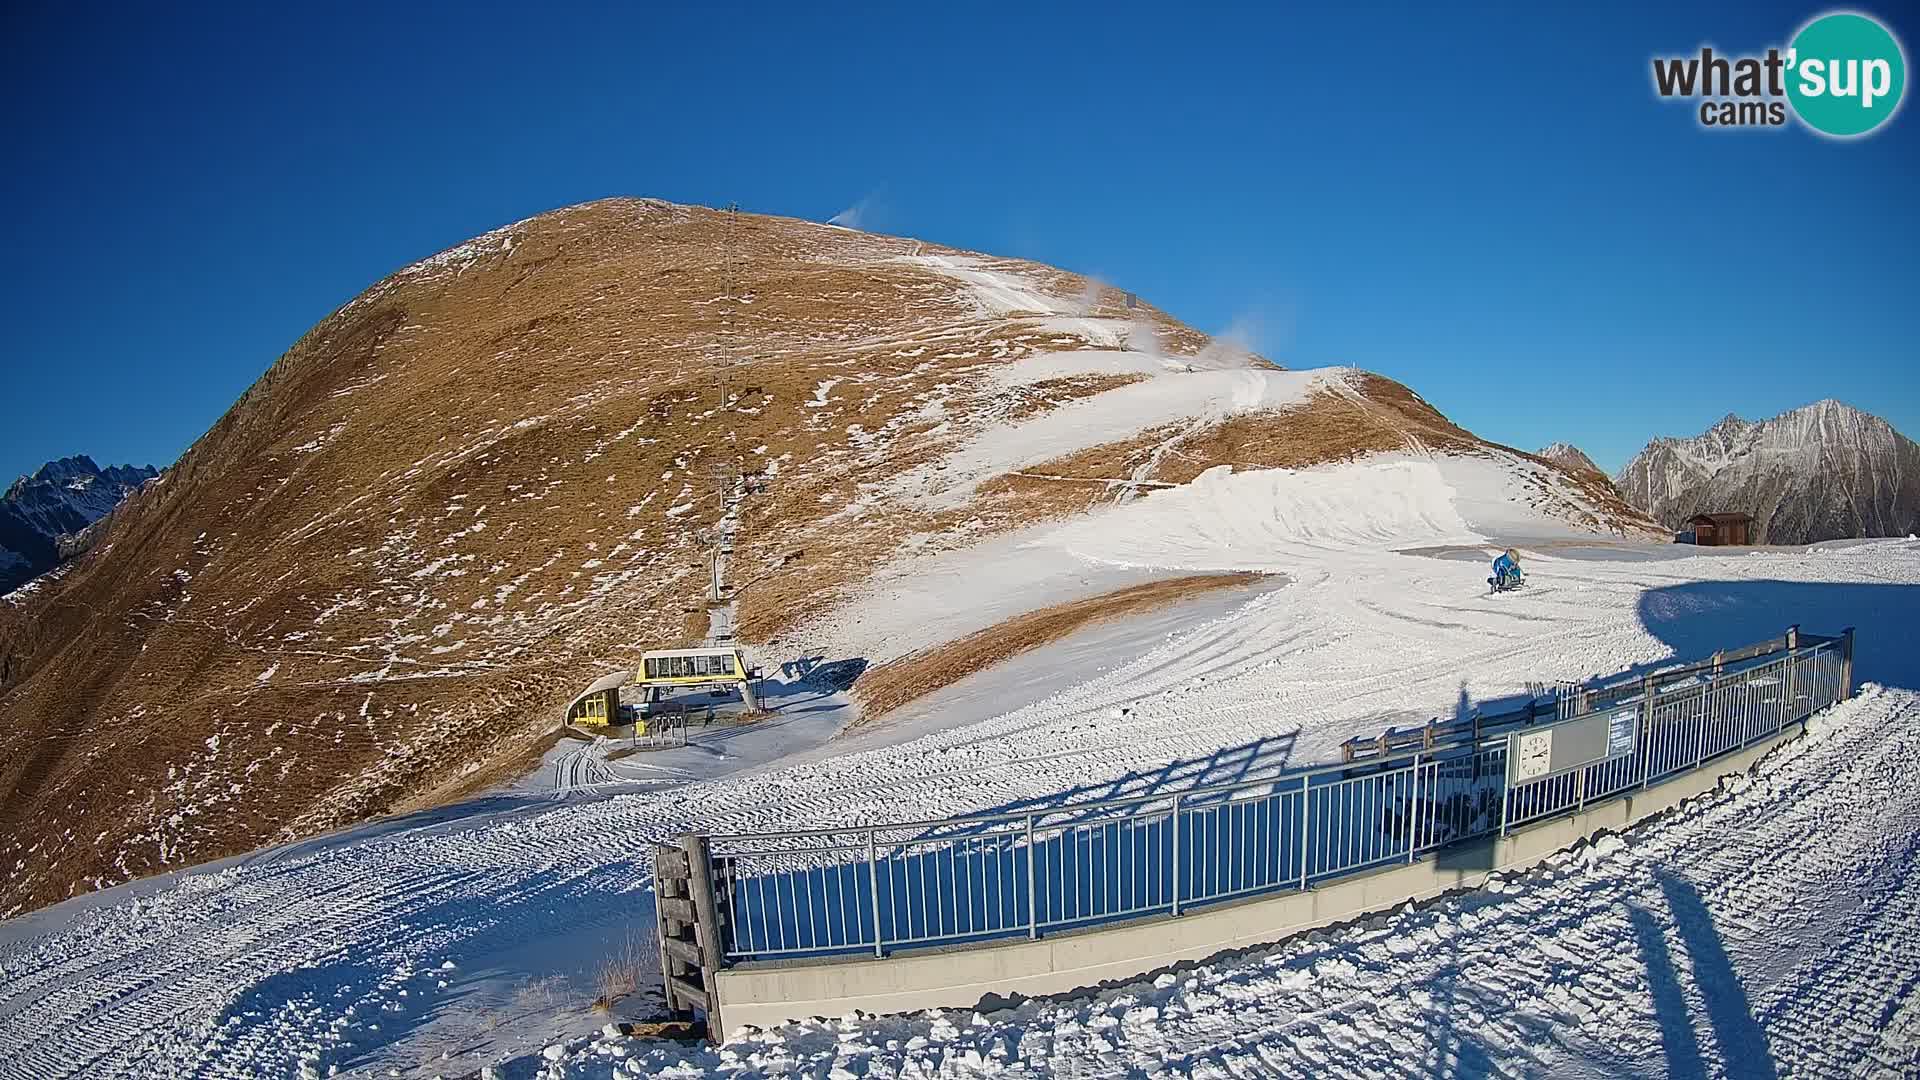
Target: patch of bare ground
column 1042, row 496
column 888, row 687
column 632, row 963
column 501, row 767
column 1612, row 513
column 1367, row 414
column 1328, row 428
column 1370, row 414
column 1038, row 397
column 1616, row 512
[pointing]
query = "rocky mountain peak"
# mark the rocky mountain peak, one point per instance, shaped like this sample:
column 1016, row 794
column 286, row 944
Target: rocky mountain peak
column 43, row 510
column 1730, row 425
column 1567, row 456
column 1822, row 471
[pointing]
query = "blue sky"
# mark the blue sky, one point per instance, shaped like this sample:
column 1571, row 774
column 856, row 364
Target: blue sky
column 1493, row 208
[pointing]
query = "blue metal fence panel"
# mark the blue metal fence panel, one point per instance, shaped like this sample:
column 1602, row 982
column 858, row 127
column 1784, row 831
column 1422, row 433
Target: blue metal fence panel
column 972, row 880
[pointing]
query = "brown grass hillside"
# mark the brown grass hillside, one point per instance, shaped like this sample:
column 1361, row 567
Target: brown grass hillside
column 454, row 500
column 483, row 482
column 910, row 678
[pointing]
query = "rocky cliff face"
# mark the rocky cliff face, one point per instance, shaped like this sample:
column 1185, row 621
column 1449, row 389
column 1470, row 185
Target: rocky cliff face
column 43, row 515
column 1823, row 472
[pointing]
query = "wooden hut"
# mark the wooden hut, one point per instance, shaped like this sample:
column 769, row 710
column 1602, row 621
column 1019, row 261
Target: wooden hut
column 1734, row 530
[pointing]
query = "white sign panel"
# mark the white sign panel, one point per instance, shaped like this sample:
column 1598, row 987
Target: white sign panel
column 1533, row 755
column 1623, row 728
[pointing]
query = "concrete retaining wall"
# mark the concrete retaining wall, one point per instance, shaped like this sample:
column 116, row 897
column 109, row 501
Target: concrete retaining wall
column 767, row 994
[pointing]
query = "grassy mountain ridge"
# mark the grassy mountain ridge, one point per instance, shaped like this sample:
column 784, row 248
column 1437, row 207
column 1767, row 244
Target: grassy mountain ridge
column 375, row 580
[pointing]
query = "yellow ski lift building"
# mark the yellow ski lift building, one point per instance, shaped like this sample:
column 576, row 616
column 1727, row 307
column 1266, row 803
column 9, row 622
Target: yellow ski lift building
column 722, row 665
column 598, row 705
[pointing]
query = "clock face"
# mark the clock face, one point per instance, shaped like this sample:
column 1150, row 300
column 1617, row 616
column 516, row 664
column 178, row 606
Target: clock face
column 1532, row 754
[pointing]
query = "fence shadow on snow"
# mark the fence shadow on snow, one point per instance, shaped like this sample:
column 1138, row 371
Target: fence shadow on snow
column 1698, row 617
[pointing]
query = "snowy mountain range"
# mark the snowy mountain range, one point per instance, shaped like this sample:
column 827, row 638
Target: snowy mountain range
column 42, row 514
column 1569, row 457
column 1822, row 472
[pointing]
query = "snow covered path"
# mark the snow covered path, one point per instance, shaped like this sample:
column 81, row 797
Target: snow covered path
column 336, row 951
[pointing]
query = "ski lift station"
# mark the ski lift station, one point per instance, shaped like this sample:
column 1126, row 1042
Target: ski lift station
column 662, row 672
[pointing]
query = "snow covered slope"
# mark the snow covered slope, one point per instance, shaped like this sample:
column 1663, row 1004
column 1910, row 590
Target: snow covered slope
column 1764, row 930
column 486, row 481
column 1821, row 472
column 1280, row 521
column 42, row 512
column 1770, row 923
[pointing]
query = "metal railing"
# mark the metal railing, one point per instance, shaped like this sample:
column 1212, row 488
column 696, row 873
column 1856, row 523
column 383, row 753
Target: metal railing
column 996, row 876
column 1557, row 700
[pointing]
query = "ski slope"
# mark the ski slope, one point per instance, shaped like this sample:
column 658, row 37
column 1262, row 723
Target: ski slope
column 1764, row 930
column 440, row 943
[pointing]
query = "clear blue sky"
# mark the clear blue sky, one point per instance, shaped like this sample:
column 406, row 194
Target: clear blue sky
column 1492, row 208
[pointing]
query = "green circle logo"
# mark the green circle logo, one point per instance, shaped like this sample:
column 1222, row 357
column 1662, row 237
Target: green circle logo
column 1845, row 74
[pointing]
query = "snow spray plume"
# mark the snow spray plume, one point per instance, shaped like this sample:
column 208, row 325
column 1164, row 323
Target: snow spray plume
column 1142, row 337
column 1090, row 296
column 1232, row 347
column 855, row 216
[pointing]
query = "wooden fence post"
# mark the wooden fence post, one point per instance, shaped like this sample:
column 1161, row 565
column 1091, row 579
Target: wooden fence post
column 1846, row 663
column 706, row 926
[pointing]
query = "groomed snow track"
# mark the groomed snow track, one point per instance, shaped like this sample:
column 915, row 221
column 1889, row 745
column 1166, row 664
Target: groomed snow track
column 1765, row 929
column 330, row 952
